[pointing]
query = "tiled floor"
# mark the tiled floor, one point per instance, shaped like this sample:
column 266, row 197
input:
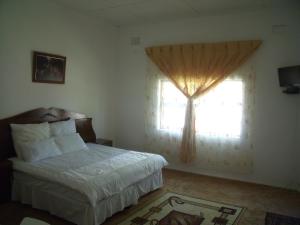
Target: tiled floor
column 256, row 198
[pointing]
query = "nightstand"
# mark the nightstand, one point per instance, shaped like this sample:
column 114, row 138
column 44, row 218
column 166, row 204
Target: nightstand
column 5, row 180
column 102, row 141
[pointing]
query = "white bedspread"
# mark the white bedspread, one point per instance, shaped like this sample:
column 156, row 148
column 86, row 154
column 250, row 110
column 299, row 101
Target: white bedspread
column 98, row 172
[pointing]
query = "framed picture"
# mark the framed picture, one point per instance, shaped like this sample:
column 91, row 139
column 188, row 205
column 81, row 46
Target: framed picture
column 48, row 68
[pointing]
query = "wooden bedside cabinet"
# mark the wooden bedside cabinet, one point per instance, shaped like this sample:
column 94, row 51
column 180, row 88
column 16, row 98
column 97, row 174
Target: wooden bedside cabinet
column 102, row 141
column 5, row 180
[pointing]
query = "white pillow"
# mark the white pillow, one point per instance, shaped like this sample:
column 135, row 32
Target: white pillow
column 62, row 128
column 70, row 143
column 35, row 151
column 25, row 133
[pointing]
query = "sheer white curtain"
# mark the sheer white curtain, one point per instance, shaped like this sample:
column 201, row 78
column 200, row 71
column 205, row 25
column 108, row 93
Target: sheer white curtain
column 224, row 122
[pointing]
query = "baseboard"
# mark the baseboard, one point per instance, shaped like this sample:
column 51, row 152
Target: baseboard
column 293, row 186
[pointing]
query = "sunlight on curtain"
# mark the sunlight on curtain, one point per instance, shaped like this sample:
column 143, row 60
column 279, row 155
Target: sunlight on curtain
column 219, row 112
column 224, row 121
column 226, row 98
column 171, row 107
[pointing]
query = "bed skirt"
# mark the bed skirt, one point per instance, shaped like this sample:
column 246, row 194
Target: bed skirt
column 74, row 206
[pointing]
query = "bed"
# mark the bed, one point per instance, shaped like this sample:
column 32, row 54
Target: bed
column 85, row 186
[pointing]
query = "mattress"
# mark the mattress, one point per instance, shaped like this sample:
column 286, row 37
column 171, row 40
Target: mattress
column 98, row 172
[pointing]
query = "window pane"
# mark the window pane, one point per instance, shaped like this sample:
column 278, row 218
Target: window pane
column 218, row 112
column 172, row 107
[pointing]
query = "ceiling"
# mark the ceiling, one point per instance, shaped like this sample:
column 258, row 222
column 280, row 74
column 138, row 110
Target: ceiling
column 129, row 12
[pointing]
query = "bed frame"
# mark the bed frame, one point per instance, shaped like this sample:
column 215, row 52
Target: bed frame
column 83, row 126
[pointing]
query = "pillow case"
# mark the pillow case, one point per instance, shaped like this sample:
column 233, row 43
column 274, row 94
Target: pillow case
column 70, row 143
column 62, row 128
column 38, row 150
column 25, row 133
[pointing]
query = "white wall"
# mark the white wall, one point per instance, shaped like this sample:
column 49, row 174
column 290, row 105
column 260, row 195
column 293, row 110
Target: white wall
column 276, row 113
column 90, row 50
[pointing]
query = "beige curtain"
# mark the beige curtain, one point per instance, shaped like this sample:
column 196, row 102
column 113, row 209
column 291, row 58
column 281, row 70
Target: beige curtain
column 195, row 69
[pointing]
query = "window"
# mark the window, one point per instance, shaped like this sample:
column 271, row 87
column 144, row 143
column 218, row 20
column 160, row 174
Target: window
column 171, row 107
column 218, row 112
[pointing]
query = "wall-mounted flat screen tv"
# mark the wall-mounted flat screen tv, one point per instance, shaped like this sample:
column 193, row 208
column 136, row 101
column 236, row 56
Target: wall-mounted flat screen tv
column 289, row 76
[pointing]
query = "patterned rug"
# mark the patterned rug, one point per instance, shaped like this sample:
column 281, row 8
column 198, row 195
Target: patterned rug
column 175, row 209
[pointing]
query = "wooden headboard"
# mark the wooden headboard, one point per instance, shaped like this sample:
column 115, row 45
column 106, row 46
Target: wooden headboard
column 83, row 126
